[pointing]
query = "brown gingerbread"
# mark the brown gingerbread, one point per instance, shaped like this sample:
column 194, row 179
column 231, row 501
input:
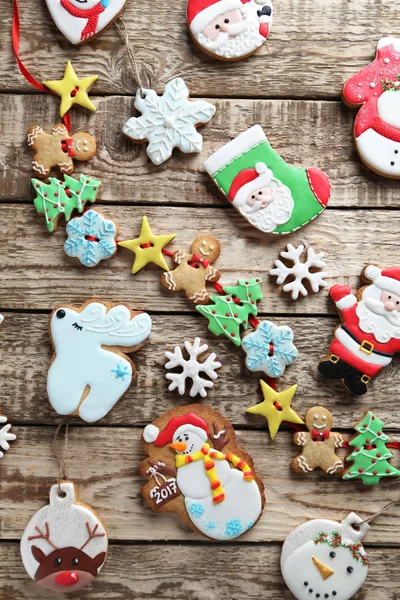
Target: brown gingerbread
column 58, row 149
column 319, row 444
column 194, row 269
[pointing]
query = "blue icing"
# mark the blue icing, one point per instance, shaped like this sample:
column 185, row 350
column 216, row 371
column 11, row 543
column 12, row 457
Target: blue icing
column 196, row 509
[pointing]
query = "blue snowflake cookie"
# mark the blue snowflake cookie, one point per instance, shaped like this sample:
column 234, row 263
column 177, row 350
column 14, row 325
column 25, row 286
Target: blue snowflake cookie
column 269, row 349
column 91, row 238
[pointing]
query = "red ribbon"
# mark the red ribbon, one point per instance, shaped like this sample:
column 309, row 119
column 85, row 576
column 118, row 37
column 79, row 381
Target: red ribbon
column 317, row 435
column 197, row 259
column 66, row 146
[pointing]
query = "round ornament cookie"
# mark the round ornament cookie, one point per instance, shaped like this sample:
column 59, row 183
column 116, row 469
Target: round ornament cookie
column 64, row 545
column 229, row 29
column 325, row 559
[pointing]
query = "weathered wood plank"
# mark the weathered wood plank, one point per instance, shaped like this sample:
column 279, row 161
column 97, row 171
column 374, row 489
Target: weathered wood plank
column 103, row 462
column 317, row 134
column 156, row 571
column 25, row 353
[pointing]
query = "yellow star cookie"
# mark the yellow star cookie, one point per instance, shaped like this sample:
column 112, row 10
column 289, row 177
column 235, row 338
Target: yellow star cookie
column 72, row 90
column 148, row 247
column 276, row 407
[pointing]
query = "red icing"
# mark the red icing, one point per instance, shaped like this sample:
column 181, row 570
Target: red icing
column 165, row 436
column 320, row 185
column 67, row 578
column 92, row 16
column 264, row 30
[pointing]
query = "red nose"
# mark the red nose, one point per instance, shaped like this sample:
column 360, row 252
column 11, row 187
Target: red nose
column 67, row 578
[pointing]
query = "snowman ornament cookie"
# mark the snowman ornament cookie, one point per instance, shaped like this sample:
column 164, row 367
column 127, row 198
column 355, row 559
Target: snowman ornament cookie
column 325, row 559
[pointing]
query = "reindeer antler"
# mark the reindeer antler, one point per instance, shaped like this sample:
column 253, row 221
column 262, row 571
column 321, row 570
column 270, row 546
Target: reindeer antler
column 43, row 536
column 92, row 534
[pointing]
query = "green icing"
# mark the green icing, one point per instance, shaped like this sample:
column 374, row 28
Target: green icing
column 370, row 465
column 306, row 206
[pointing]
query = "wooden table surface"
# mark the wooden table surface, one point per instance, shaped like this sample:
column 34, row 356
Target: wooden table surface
column 292, row 88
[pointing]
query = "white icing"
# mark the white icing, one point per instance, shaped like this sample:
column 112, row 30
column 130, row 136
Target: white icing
column 168, row 121
column 261, row 357
column 81, row 360
column 372, row 85
column 235, row 148
column 191, row 369
column 1, row 319
column 389, row 107
column 5, row 435
column 300, row 271
column 276, row 213
column 389, row 41
column 91, row 252
column 378, row 152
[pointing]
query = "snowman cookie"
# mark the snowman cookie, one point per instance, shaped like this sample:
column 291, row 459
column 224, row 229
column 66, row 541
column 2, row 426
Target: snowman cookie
column 201, row 473
column 376, row 90
column 325, row 559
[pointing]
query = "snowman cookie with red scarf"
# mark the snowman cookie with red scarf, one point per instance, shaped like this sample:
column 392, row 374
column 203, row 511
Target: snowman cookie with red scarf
column 82, row 20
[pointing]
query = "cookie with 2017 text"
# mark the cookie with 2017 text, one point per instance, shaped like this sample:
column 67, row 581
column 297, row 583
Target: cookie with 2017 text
column 196, row 469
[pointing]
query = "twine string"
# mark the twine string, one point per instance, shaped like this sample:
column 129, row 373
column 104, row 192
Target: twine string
column 381, row 511
column 123, row 32
column 61, row 453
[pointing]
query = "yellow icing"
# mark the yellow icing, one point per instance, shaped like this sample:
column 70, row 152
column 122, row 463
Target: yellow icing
column 67, row 84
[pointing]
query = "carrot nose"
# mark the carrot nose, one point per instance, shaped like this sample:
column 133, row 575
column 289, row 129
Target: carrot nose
column 324, row 571
column 178, row 446
column 67, row 578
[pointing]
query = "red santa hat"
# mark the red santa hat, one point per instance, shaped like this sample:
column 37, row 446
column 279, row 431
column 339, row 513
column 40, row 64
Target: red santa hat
column 249, row 181
column 201, row 12
column 387, row 280
column 177, row 425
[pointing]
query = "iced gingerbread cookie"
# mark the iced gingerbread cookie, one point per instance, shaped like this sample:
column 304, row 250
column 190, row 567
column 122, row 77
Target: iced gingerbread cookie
column 271, row 195
column 91, row 238
column 194, row 269
column 89, row 371
column 376, row 89
column 80, row 21
column 58, row 149
column 229, row 29
column 216, row 493
column 168, row 121
column 64, row 545
column 325, row 559
column 300, row 276
column 369, row 335
column 319, row 444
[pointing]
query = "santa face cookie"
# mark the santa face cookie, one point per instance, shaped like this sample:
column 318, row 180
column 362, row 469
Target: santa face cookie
column 229, row 29
column 64, row 545
column 271, row 195
column 216, row 493
column 325, row 559
column 377, row 90
column 82, row 20
column 89, row 371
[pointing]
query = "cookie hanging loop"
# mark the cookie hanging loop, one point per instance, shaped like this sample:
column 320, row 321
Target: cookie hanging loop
column 61, row 454
column 123, row 32
column 380, row 512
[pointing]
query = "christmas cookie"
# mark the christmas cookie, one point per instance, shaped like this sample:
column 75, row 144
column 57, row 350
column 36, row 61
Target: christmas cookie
column 64, row 545
column 194, row 269
column 6, row 434
column 148, row 247
column 369, row 335
column 269, row 349
column 168, row 121
column 91, row 238
column 81, row 21
column 271, row 195
column 210, row 481
column 319, row 444
column 191, row 369
column 90, row 371
column 370, row 454
column 63, row 197
column 72, row 90
column 325, row 559
column 58, row 149
column 229, row 29
column 296, row 271
column 376, row 89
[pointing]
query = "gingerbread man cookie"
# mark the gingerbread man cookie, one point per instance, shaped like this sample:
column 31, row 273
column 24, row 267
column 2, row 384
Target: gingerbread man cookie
column 194, row 269
column 319, row 444
column 58, row 149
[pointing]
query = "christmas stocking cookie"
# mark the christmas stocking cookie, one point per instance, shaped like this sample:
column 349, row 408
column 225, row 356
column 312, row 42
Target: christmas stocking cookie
column 272, row 196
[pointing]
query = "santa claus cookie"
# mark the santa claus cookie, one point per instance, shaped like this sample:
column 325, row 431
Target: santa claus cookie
column 64, row 545
column 229, row 29
column 82, row 20
column 319, row 444
column 369, row 335
column 325, row 559
column 271, row 195
column 377, row 90
column 196, row 469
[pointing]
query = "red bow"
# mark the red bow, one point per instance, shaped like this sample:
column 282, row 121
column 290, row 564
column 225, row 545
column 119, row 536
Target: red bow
column 320, row 436
column 197, row 259
column 66, row 146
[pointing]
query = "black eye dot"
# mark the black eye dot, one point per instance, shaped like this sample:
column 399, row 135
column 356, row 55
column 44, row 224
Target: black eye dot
column 397, row 302
column 350, row 569
column 75, row 561
column 306, row 583
column 226, row 20
column 253, row 196
column 392, row 163
column 310, row 590
column 396, row 151
column 260, row 193
column 332, row 554
column 334, row 593
column 217, row 26
column 389, row 297
column 60, row 314
column 58, row 561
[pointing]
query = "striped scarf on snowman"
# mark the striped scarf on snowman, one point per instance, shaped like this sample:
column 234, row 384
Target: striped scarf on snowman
column 207, row 454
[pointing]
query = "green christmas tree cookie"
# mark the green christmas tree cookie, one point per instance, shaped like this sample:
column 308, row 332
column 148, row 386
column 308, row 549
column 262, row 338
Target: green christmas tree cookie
column 63, row 197
column 370, row 455
column 273, row 196
column 226, row 316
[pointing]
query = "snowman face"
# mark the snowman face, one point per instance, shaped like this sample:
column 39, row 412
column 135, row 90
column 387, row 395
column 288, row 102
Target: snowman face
column 186, row 442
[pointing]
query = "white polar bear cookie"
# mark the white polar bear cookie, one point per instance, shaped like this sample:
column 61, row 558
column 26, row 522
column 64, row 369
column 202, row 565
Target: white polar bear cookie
column 325, row 559
column 89, row 372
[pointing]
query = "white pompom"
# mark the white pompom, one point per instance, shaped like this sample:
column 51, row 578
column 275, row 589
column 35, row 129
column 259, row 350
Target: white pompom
column 150, row 433
column 261, row 168
column 372, row 272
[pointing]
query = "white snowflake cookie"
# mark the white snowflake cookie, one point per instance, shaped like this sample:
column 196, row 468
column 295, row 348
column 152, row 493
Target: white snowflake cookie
column 269, row 349
column 91, row 238
column 5, row 435
column 168, row 121
column 191, row 369
column 299, row 271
